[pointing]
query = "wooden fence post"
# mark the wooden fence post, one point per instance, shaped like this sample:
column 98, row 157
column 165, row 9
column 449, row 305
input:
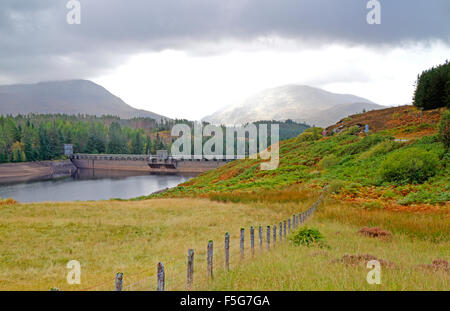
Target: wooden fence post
column 209, row 258
column 227, row 251
column 280, row 229
column 119, row 281
column 252, row 240
column 300, row 221
column 268, row 238
column 242, row 243
column 160, row 277
column 190, row 269
column 284, row 225
column 289, row 225
column 294, row 222
column 274, row 235
column 260, row 238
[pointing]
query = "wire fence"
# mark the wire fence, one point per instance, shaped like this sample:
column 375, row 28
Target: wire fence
column 229, row 254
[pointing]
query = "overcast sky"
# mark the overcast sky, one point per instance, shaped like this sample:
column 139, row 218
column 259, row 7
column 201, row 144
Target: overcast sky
column 187, row 58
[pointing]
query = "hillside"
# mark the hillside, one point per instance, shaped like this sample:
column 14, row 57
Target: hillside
column 398, row 118
column 355, row 165
column 297, row 102
column 66, row 97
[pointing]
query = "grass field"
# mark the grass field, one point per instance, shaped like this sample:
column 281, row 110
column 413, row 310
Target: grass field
column 37, row 240
column 290, row 267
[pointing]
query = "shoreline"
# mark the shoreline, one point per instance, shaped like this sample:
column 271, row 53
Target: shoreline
column 32, row 171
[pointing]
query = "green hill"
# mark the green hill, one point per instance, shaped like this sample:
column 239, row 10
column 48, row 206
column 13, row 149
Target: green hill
column 376, row 169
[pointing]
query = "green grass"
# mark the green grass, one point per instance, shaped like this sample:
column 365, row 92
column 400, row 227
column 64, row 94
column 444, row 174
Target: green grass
column 106, row 237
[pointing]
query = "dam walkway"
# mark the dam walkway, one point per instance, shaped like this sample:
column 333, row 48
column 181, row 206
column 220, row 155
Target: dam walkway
column 152, row 163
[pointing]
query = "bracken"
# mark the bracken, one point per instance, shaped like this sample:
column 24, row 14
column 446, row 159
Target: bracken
column 375, row 233
column 353, row 260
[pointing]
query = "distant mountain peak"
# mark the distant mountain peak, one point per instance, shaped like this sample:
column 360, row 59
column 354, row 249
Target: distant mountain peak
column 297, row 102
column 66, row 97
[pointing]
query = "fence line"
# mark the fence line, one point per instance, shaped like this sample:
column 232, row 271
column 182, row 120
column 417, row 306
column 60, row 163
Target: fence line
column 284, row 228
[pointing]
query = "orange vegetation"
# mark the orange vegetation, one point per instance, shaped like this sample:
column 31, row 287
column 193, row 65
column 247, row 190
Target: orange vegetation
column 8, row 201
column 389, row 118
column 367, row 195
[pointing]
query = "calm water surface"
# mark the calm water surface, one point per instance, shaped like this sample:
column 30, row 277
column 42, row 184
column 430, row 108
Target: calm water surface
column 91, row 185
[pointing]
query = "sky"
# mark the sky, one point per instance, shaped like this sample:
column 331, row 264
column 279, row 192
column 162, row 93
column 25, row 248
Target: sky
column 188, row 58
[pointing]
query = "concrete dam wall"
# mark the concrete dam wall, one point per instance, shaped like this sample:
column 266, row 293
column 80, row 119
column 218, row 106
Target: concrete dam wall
column 144, row 163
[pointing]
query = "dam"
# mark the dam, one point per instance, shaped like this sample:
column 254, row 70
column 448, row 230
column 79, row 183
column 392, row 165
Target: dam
column 161, row 163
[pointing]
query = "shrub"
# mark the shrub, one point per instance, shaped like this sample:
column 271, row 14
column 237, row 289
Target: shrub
column 379, row 149
column 389, row 194
column 376, row 233
column 426, row 196
column 336, row 186
column 7, row 201
column 328, row 161
column 352, row 130
column 362, row 144
column 311, row 134
column 412, row 165
column 308, row 237
column 444, row 129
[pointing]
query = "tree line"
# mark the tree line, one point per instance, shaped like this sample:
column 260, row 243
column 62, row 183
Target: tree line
column 41, row 137
column 433, row 88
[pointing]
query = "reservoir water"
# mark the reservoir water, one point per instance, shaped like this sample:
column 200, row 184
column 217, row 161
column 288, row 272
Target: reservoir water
column 89, row 185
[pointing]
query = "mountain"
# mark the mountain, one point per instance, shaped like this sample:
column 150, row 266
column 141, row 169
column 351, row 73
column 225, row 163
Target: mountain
column 296, row 102
column 66, row 97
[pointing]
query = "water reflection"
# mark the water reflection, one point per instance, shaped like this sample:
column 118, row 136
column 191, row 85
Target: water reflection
column 93, row 185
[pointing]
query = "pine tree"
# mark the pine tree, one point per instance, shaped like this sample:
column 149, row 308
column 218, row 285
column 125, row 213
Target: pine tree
column 137, row 144
column 3, row 149
column 432, row 88
column 27, row 142
column 18, row 155
column 117, row 143
column 148, row 144
column 11, row 133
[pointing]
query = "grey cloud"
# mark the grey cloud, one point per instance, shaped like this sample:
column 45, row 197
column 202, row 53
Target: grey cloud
column 36, row 43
